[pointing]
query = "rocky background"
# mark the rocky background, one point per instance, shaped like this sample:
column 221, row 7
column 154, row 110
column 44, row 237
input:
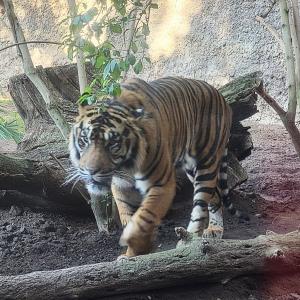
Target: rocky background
column 213, row 40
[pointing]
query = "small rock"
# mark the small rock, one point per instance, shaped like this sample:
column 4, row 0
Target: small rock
column 5, row 224
column 10, row 228
column 16, row 211
column 62, row 230
column 40, row 247
column 9, row 238
column 23, row 230
column 40, row 222
column 48, row 227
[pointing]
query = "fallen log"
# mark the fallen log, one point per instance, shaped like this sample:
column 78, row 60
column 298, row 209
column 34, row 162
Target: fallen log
column 200, row 261
column 43, row 144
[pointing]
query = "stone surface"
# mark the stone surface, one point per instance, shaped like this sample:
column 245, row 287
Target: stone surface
column 213, row 40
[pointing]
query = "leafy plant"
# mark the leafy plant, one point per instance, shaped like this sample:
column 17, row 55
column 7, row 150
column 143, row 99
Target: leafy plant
column 9, row 130
column 11, row 125
column 113, row 37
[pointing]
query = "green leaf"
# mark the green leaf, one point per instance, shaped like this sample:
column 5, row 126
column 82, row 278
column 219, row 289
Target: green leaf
column 10, row 130
column 134, row 47
column 144, row 44
column 116, row 53
column 148, row 60
column 145, row 29
column 89, row 47
column 107, row 45
column 106, row 71
column 117, row 90
column 100, row 60
column 87, row 90
column 116, row 73
column 115, row 28
column 138, row 67
column 113, row 65
column 131, row 59
column 154, row 5
column 124, row 65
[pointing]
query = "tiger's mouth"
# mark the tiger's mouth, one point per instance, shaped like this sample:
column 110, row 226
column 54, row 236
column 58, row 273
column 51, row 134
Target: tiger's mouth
column 99, row 186
column 100, row 180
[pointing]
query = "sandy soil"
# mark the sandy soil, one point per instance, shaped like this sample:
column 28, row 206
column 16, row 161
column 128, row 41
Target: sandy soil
column 31, row 241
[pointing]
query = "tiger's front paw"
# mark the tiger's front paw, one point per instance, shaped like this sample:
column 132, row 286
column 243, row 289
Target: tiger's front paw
column 213, row 231
column 138, row 242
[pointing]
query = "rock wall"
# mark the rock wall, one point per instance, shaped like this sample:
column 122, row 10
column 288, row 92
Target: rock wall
column 212, row 40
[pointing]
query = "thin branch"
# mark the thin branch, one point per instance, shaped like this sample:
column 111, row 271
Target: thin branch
column 295, row 30
column 133, row 28
column 272, row 30
column 295, row 6
column 290, row 64
column 79, row 56
column 30, row 42
column 271, row 101
column 130, row 37
column 48, row 95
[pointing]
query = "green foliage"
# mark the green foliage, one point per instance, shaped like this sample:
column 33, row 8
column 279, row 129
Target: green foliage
column 113, row 36
column 11, row 125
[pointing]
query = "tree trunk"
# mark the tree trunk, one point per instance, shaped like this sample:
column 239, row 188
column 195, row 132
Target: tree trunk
column 200, row 261
column 43, row 142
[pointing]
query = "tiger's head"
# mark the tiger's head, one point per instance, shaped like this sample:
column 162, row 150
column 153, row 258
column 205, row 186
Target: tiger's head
column 102, row 142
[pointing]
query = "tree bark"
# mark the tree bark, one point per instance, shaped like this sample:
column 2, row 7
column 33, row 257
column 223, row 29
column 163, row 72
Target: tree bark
column 200, row 261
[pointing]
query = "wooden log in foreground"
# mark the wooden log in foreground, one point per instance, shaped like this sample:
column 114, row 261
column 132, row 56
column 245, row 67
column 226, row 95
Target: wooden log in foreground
column 200, row 261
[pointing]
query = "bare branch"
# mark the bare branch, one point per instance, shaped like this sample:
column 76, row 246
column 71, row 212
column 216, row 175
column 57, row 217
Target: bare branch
column 80, row 56
column 290, row 64
column 272, row 30
column 271, row 101
column 287, row 118
column 130, row 37
column 30, row 42
column 295, row 31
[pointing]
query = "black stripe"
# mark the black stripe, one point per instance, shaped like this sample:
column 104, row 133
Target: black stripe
column 207, row 177
column 200, row 203
column 208, row 190
column 146, row 220
column 149, row 211
column 199, row 219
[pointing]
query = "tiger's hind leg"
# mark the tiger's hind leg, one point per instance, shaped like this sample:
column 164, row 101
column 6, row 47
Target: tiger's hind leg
column 204, row 183
column 216, row 227
column 207, row 214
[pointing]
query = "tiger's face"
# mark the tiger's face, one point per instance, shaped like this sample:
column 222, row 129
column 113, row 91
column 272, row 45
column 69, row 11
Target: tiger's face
column 101, row 143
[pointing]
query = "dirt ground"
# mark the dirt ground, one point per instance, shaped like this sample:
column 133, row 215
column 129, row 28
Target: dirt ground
column 33, row 240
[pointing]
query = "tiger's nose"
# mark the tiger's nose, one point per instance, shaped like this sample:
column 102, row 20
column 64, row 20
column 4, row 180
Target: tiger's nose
column 91, row 171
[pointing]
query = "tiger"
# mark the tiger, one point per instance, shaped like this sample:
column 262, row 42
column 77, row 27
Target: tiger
column 134, row 143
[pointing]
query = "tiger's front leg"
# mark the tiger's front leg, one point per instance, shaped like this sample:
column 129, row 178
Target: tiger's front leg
column 140, row 232
column 127, row 198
